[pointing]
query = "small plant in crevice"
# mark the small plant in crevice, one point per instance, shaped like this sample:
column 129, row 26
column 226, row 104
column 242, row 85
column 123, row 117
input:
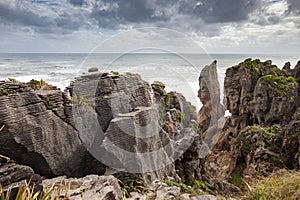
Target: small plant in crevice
column 81, row 100
column 3, row 92
column 181, row 116
column 12, row 80
column 133, row 185
column 183, row 187
column 48, row 103
column 115, row 73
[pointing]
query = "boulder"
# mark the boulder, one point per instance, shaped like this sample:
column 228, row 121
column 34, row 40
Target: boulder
column 91, row 187
column 37, row 132
column 132, row 126
column 11, row 173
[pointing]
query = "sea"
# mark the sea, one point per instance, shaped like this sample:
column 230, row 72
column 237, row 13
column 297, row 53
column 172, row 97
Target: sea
column 179, row 72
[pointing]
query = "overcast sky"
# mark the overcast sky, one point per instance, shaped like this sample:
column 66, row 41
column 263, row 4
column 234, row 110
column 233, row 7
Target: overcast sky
column 217, row 26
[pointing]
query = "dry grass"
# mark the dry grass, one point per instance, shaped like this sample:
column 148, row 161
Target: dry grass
column 27, row 192
column 283, row 185
column 40, row 85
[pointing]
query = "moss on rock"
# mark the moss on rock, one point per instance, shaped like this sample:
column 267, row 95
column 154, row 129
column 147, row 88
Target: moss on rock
column 281, row 85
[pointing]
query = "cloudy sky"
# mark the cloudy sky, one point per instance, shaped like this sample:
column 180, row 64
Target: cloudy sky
column 217, row 26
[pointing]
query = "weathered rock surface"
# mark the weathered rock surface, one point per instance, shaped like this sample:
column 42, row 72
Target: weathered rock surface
column 12, row 173
column 258, row 136
column 209, row 94
column 211, row 121
column 37, row 133
column 91, row 187
column 137, row 127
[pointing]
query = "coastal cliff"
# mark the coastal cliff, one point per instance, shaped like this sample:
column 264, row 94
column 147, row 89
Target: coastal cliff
column 91, row 127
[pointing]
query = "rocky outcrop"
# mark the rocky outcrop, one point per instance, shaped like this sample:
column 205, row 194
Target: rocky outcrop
column 210, row 121
column 140, row 131
column 136, row 127
column 91, row 187
column 262, row 100
column 37, row 131
column 209, row 95
column 12, row 173
column 259, row 93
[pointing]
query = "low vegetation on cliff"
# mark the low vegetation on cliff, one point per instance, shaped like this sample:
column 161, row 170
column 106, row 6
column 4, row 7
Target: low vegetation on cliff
column 40, row 85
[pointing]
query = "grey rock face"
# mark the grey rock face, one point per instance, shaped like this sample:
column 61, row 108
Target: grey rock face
column 136, row 128
column 36, row 132
column 260, row 97
column 12, row 173
column 259, row 93
column 91, row 187
column 209, row 94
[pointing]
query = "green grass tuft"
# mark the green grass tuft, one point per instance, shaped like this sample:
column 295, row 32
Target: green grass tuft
column 133, row 185
column 39, row 85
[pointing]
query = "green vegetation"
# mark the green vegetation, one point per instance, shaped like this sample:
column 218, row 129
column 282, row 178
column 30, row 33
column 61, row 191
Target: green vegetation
column 252, row 66
column 283, row 185
column 281, row 85
column 163, row 109
column 39, row 85
column 27, row 192
column 3, row 92
column 167, row 99
column 183, row 187
column 181, row 116
column 192, row 126
column 12, row 80
column 160, row 84
column 114, row 73
column 48, row 103
column 81, row 100
column 133, row 185
column 266, row 135
column 237, row 179
column 194, row 186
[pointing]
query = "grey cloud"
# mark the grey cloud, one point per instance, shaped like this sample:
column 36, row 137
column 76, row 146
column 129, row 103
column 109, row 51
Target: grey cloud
column 112, row 13
column 23, row 16
column 205, row 16
column 171, row 13
column 65, row 23
column 77, row 2
column 216, row 11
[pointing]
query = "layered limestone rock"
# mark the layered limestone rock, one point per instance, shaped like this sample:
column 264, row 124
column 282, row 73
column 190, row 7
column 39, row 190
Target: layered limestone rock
column 131, row 125
column 12, row 173
column 210, row 120
column 262, row 100
column 209, row 95
column 259, row 93
column 91, row 187
column 37, row 133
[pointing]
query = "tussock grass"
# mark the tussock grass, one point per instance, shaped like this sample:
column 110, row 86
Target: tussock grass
column 283, row 185
column 27, row 192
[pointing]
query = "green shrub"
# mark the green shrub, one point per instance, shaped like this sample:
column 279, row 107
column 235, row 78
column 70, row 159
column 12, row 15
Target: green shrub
column 281, row 85
column 3, row 92
column 133, row 185
column 12, row 80
column 181, row 116
column 39, row 85
column 114, row 73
